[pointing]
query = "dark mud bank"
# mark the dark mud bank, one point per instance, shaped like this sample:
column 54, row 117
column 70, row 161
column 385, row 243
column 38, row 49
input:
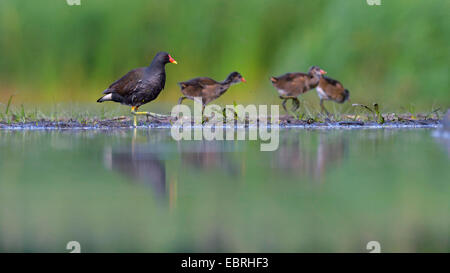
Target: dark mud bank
column 285, row 122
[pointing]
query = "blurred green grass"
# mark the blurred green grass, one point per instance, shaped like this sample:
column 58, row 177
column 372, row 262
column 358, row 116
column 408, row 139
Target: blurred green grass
column 396, row 54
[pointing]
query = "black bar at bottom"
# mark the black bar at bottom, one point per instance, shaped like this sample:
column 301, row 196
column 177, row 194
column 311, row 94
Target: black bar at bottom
column 222, row 262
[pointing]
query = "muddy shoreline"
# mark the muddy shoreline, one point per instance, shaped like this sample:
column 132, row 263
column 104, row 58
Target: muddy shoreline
column 285, row 122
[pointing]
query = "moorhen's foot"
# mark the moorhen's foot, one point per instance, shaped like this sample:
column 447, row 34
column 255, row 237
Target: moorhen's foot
column 325, row 111
column 327, row 118
column 205, row 120
column 154, row 115
column 147, row 114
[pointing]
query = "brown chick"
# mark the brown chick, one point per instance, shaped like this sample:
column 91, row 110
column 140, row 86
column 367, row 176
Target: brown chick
column 291, row 85
column 207, row 89
column 331, row 89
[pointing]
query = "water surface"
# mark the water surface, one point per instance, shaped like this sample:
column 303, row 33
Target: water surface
column 140, row 191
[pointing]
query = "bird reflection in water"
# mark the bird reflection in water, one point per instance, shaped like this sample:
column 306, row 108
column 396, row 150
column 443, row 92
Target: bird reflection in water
column 142, row 166
column 142, row 162
column 306, row 157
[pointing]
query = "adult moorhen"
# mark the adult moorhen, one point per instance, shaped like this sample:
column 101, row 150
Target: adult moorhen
column 291, row 85
column 331, row 89
column 207, row 88
column 140, row 86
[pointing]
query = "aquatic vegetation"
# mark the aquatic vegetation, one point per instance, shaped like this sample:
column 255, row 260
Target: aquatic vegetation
column 73, row 116
column 377, row 116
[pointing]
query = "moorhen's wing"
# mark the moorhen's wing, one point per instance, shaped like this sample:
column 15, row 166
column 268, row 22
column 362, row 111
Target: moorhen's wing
column 129, row 83
column 198, row 82
column 334, row 89
column 291, row 81
column 333, row 82
column 196, row 87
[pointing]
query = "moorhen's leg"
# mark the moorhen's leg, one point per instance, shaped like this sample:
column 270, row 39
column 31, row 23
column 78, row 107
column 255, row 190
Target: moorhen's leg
column 181, row 99
column 133, row 112
column 150, row 114
column 295, row 104
column 322, row 108
column 284, row 104
column 224, row 113
column 204, row 119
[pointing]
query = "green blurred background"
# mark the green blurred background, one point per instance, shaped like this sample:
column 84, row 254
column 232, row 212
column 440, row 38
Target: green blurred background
column 396, row 54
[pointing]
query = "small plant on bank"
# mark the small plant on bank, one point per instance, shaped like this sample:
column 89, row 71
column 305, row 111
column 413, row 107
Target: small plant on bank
column 433, row 111
column 377, row 117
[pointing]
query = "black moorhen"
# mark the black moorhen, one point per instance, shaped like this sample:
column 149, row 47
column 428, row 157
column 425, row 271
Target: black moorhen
column 207, row 88
column 140, row 86
column 291, row 85
column 331, row 89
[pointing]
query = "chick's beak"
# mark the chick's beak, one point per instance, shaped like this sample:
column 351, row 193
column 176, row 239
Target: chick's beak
column 172, row 60
column 243, row 80
column 323, row 72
